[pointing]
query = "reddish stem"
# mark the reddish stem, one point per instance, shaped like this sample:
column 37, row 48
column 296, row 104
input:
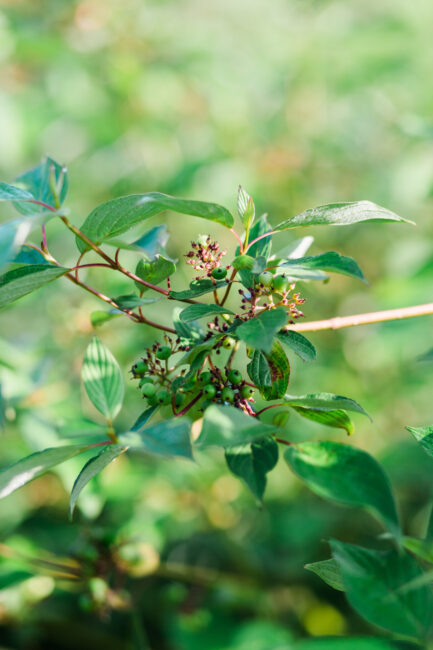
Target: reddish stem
column 283, row 442
column 241, row 245
column 266, row 234
column 272, row 406
column 190, row 405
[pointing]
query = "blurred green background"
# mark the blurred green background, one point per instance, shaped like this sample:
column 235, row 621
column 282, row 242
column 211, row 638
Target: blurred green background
column 303, row 102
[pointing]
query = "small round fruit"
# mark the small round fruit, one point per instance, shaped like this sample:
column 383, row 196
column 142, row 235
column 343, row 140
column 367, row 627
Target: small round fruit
column 163, row 397
column 266, row 278
column 219, row 274
column 209, row 391
column 229, row 343
column 163, row 353
column 228, row 395
column 148, row 390
column 280, row 283
column 145, row 380
column 234, row 376
column 243, row 262
column 152, row 401
column 247, row 392
column 178, row 400
column 205, row 377
column 139, row 368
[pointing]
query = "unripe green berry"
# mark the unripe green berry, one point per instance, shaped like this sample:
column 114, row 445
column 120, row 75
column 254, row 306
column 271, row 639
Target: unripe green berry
column 243, row 262
column 148, row 390
column 234, row 376
column 228, row 395
column 247, row 392
column 139, row 368
column 209, row 391
column 178, row 400
column 219, row 274
column 265, row 278
column 205, row 377
column 280, row 283
column 163, row 353
column 145, row 380
column 163, row 397
column 229, row 343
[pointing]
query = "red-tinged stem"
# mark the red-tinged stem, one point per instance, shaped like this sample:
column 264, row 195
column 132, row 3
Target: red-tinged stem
column 116, row 256
column 101, row 296
column 44, row 239
column 88, row 266
column 283, row 442
column 152, row 323
column 44, row 205
column 190, row 405
column 99, row 444
column 266, row 234
column 272, row 406
column 241, row 245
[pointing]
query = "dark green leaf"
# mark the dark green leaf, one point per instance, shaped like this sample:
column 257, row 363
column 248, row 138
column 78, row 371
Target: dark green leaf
column 298, row 343
column 340, row 214
column 259, row 332
column 155, row 272
column 168, row 438
column 329, row 571
column 91, row 469
column 195, row 312
column 39, row 180
column 27, row 255
column 143, row 418
column 424, row 435
column 26, row 469
column 331, row 261
column 372, row 581
column 252, row 462
column 258, row 370
column 279, row 369
column 115, row 217
column 189, row 333
column 325, row 402
column 261, row 248
column 347, row 475
column 197, row 288
column 227, row 426
column 132, row 300
column 338, row 643
column 419, row 547
column 334, row 418
column 102, row 379
column 19, row 282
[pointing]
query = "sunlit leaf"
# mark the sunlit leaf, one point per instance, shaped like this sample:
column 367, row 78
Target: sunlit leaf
column 328, row 571
column 102, row 379
column 195, row 312
column 16, row 283
column 259, row 332
column 227, row 426
column 168, row 438
column 39, row 181
column 298, row 343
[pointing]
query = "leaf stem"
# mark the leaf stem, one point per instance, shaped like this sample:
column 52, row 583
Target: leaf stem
column 227, row 292
column 283, row 442
column 190, row 405
column 241, row 245
column 266, row 234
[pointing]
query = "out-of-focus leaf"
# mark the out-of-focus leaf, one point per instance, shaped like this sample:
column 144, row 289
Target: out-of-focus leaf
column 419, row 547
column 102, row 379
column 195, row 312
column 27, row 255
column 19, row 282
column 423, row 435
column 188, row 333
column 197, row 288
column 333, row 418
column 338, row 643
column 168, row 438
column 132, row 300
column 331, row 261
column 298, row 343
column 227, row 426
column 99, row 317
column 328, row 571
column 296, row 248
column 143, row 418
column 37, row 181
column 252, row 462
column 259, row 332
column 12, row 193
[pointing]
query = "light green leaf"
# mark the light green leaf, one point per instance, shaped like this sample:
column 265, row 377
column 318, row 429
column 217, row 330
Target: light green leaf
column 372, row 581
column 99, row 317
column 29, row 468
column 298, row 343
column 334, row 418
column 259, row 332
column 168, row 438
column 39, row 182
column 340, row 214
column 195, row 312
column 331, row 261
column 91, row 469
column 346, row 475
column 197, row 288
column 325, row 402
column 328, row 571
column 423, row 435
column 12, row 193
column 102, row 379
column 246, row 208
column 155, row 272
column 252, row 462
column 115, row 217
column 19, row 282
column 227, row 426
column 131, row 301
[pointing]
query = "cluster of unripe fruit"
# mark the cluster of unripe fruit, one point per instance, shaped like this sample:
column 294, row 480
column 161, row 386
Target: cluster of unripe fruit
column 152, row 389
column 277, row 283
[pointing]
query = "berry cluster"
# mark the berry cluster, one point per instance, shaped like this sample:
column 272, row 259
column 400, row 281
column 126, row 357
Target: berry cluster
column 206, row 256
column 226, row 387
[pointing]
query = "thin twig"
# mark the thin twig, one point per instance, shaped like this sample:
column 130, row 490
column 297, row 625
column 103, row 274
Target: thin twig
column 227, row 292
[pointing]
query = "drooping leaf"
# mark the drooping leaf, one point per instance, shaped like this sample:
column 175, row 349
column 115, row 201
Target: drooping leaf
column 331, row 261
column 325, row 402
column 2, row 410
column 195, row 312
column 168, row 438
column 340, row 214
column 227, row 426
column 252, row 462
column 279, row 368
column 423, row 435
column 334, row 418
column 91, row 469
column 14, row 233
column 151, row 244
column 37, row 181
column 258, row 370
column 102, row 379
column 29, row 468
column 246, row 208
column 115, row 217
column 259, row 332
column 16, row 283
column 373, row 582
column 155, row 272
column 197, row 288
column 328, row 571
column 298, row 343
column 346, row 475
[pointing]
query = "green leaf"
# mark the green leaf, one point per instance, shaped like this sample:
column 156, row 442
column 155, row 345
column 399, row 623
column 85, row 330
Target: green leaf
column 195, row 312
column 27, row 255
column 258, row 370
column 197, row 288
column 102, row 379
column 151, row 244
column 337, row 643
column 419, row 547
column 168, row 438
column 279, row 369
column 99, row 317
column 39, row 180
column 340, row 214
column 131, row 301
column 143, row 418
column 259, row 332
column 334, row 418
column 252, row 462
column 423, row 435
column 346, row 475
column 261, row 248
column 325, row 402
column 227, row 426
column 188, row 333
column 26, row 469
column 12, row 193
column 91, row 469
column 115, row 217
column 328, row 571
column 331, row 261
column 14, row 233
column 155, row 272
column 19, row 282
column 297, row 248
column 298, row 343
column 372, row 581
column 246, row 208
